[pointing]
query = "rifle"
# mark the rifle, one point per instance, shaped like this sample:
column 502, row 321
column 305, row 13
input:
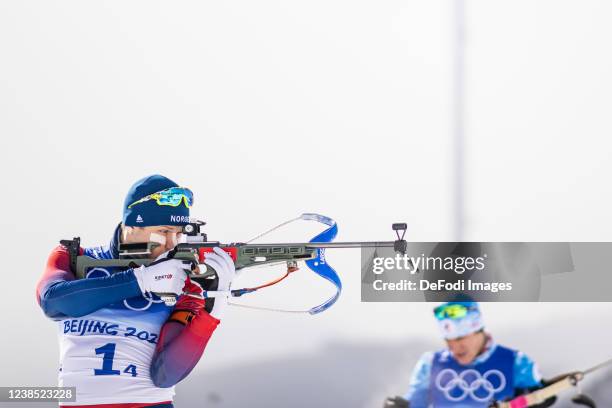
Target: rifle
column 245, row 255
column 565, row 382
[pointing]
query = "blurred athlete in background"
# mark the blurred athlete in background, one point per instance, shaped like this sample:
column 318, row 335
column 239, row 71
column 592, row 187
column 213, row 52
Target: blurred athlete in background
column 473, row 371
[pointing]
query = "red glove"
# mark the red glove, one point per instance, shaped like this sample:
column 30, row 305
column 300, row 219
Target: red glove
column 188, row 304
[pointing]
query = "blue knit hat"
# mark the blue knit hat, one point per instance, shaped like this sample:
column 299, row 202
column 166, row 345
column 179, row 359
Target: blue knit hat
column 149, row 213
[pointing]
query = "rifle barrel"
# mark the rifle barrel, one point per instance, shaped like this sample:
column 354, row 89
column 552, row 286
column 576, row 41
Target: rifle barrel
column 357, row 244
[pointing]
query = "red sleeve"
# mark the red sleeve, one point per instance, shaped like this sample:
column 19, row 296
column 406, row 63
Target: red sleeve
column 57, row 269
column 60, row 294
column 180, row 348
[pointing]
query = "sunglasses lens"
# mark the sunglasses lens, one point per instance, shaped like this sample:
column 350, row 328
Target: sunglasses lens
column 174, row 196
column 455, row 311
column 188, row 195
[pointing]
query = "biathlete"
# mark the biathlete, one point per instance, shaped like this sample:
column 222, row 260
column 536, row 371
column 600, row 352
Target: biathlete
column 473, row 371
column 121, row 346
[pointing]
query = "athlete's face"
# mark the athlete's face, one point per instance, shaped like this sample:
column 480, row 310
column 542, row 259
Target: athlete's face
column 465, row 349
column 166, row 236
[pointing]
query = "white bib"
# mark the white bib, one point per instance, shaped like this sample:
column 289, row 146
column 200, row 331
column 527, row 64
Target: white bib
column 107, row 354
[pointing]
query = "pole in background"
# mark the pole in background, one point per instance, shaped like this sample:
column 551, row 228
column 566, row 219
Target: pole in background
column 458, row 98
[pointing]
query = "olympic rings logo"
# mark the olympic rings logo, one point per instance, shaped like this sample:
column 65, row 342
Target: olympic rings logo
column 147, row 296
column 470, row 383
column 97, row 272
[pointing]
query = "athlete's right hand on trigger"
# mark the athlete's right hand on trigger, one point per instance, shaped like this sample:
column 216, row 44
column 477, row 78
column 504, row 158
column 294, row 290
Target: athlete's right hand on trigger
column 163, row 275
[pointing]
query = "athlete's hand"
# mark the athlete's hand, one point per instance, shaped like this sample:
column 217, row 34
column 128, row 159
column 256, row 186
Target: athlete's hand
column 223, row 264
column 163, row 275
column 192, row 299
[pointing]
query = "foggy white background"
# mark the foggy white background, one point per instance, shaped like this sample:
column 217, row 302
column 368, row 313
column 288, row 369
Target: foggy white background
column 269, row 109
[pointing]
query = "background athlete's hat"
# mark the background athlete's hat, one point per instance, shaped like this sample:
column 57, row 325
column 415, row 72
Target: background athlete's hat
column 459, row 327
column 149, row 213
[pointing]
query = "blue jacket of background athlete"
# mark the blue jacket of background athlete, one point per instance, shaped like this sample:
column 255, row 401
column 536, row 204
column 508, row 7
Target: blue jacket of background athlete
column 439, row 381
